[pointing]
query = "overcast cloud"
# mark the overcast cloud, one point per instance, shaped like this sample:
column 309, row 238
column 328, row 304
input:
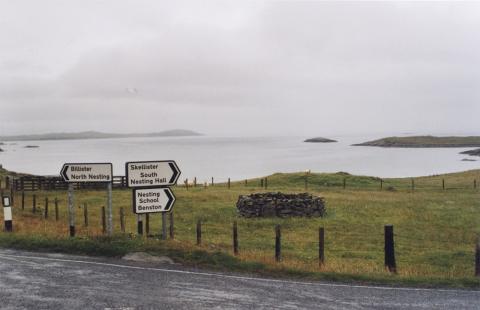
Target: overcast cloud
column 272, row 67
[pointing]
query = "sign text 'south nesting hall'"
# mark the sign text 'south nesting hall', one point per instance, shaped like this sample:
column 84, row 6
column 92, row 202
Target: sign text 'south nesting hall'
column 152, row 173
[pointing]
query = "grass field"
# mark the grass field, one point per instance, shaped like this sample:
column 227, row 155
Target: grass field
column 435, row 228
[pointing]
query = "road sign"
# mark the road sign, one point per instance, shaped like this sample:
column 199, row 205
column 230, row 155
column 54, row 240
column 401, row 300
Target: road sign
column 151, row 173
column 150, row 200
column 87, row 172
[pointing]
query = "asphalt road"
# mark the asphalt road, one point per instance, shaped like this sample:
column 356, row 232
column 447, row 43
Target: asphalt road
column 55, row 281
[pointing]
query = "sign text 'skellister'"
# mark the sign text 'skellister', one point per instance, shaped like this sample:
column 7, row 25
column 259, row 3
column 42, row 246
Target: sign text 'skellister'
column 152, row 173
column 87, row 172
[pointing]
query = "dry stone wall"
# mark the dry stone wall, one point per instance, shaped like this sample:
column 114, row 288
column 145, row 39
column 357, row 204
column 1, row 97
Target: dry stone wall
column 281, row 205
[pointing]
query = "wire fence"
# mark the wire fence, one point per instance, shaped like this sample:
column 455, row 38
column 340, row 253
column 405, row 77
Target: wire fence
column 293, row 181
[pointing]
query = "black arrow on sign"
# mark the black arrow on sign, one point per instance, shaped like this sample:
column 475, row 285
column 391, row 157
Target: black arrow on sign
column 171, row 199
column 176, row 172
column 64, row 173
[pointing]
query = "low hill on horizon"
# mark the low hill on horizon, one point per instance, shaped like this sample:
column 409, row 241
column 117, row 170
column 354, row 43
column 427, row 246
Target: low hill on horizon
column 424, row 141
column 319, row 140
column 97, row 135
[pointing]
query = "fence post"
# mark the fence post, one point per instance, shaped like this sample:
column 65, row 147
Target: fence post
column 212, row 182
column 199, row 232
column 390, row 249
column 261, row 182
column 12, row 195
column 228, row 183
column 147, row 224
column 122, row 220
column 23, row 200
column 443, row 184
column 46, row 208
column 104, row 221
column 475, row 183
column 381, row 184
column 266, row 183
column 278, row 245
column 477, row 258
column 195, row 182
column 85, row 214
column 413, row 185
column 186, row 183
column 171, row 225
column 235, row 238
column 34, row 203
column 56, row 209
column 321, row 246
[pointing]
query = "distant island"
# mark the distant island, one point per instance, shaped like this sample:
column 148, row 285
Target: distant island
column 320, row 140
column 98, row 135
column 424, row 141
column 475, row 152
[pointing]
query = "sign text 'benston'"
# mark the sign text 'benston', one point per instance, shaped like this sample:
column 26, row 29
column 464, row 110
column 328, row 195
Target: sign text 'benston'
column 149, row 200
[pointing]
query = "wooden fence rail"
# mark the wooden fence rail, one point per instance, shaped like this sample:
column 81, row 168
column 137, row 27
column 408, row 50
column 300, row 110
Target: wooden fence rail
column 35, row 183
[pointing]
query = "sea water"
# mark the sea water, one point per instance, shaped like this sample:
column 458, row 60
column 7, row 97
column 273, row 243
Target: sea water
column 237, row 157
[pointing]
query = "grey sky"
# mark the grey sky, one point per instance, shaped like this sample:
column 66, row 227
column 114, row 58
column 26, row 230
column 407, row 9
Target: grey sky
column 286, row 67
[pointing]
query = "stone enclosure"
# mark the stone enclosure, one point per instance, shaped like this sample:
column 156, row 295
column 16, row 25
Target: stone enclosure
column 281, row 205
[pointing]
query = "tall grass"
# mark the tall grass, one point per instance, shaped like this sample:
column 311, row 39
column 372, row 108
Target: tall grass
column 435, row 229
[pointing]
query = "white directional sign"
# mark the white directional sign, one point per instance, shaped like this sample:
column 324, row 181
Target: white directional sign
column 87, row 172
column 149, row 200
column 152, row 173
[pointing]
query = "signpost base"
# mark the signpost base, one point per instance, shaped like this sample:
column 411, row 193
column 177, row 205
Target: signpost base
column 139, row 225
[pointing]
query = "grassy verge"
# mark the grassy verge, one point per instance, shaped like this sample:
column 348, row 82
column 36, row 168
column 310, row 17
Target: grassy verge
column 435, row 228
column 213, row 260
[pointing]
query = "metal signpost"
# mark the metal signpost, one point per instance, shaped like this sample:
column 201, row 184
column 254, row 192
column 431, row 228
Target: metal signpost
column 88, row 173
column 150, row 180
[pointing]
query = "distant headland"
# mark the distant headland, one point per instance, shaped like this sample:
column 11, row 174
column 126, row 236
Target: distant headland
column 98, row 135
column 424, row 141
column 475, row 152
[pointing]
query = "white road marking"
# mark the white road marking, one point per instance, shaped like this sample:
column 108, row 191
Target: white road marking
column 208, row 274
